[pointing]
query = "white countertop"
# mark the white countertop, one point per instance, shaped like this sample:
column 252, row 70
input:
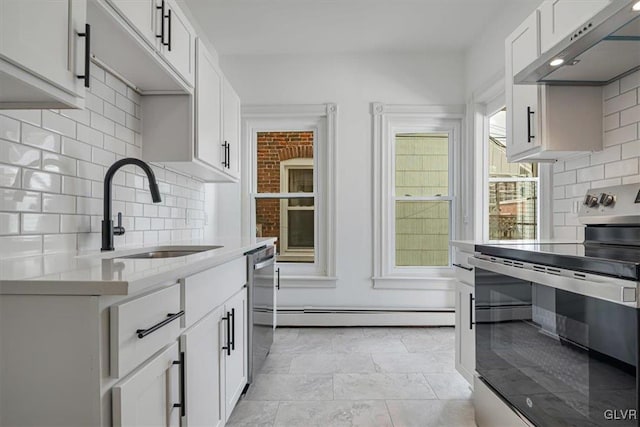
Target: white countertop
column 103, row 273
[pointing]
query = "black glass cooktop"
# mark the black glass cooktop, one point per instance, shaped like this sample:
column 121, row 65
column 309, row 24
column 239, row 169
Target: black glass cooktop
column 604, row 259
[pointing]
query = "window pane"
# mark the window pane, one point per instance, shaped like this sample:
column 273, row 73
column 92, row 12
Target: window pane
column 275, row 148
column 300, row 181
column 513, row 210
column 498, row 165
column 422, row 233
column 422, row 164
column 292, row 225
column 300, row 229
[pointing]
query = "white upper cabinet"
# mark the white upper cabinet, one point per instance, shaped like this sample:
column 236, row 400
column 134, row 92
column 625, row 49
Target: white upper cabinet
column 545, row 123
column 142, row 15
column 559, row 18
column 177, row 41
column 231, row 128
column 208, row 124
column 42, row 53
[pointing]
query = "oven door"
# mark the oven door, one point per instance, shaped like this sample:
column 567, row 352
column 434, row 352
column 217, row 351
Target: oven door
column 559, row 357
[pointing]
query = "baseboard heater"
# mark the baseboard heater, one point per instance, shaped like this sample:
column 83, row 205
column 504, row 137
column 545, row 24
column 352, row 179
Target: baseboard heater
column 319, row 316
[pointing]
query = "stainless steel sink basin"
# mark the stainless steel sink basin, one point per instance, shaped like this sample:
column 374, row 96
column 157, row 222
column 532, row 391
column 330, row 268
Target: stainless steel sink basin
column 170, row 252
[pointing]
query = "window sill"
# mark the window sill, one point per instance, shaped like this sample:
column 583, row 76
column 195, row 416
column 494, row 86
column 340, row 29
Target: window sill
column 302, row 281
column 415, row 283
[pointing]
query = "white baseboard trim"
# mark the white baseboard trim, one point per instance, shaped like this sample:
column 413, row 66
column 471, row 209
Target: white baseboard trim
column 365, row 318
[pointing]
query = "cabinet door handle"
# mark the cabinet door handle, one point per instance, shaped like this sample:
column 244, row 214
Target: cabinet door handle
column 227, row 347
column 463, row 267
column 471, row 322
column 228, row 155
column 161, row 8
column 169, row 43
column 278, row 278
column 224, row 153
column 183, row 395
column 530, row 113
column 170, row 318
column 87, row 55
column 233, row 329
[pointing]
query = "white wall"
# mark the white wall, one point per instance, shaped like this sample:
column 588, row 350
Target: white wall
column 484, row 60
column 618, row 163
column 352, row 81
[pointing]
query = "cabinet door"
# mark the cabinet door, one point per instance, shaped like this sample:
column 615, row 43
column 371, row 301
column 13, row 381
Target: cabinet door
column 178, row 46
column 201, row 345
column 231, row 127
column 142, row 15
column 41, row 36
column 522, row 48
column 236, row 362
column 559, row 18
column 147, row 397
column 465, row 331
column 208, row 123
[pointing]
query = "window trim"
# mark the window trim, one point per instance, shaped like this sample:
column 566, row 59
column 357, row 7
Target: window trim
column 286, row 252
column 322, row 119
column 388, row 120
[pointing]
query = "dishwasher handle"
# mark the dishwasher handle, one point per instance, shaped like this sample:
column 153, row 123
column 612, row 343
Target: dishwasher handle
column 263, row 264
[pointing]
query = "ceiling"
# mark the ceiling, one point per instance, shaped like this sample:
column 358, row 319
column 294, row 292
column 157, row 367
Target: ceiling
column 342, row 26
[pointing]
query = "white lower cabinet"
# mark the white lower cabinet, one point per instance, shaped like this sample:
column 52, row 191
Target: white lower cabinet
column 202, row 348
column 465, row 322
column 150, row 395
column 235, row 363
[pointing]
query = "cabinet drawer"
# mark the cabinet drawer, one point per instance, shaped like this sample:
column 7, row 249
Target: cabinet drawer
column 204, row 291
column 142, row 326
column 465, row 272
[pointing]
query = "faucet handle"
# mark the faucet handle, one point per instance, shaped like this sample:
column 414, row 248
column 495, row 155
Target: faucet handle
column 118, row 230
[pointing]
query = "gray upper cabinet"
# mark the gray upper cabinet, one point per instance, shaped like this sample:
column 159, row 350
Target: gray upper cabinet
column 42, row 53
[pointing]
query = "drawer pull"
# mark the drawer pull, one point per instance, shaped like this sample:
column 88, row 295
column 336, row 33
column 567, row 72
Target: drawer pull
column 170, row 318
column 183, row 391
column 227, row 347
column 463, row 267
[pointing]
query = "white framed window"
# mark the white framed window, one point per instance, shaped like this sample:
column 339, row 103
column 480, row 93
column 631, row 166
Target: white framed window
column 297, row 216
column 415, row 194
column 296, row 201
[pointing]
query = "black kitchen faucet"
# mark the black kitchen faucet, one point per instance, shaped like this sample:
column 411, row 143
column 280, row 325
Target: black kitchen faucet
column 108, row 230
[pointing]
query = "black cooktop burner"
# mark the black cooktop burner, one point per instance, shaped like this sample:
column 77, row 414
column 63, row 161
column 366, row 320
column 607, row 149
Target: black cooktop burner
column 609, row 260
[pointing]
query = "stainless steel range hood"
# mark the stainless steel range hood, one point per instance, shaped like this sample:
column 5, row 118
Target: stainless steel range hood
column 600, row 51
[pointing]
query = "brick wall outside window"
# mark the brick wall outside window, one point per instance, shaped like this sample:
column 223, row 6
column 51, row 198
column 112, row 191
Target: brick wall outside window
column 273, row 148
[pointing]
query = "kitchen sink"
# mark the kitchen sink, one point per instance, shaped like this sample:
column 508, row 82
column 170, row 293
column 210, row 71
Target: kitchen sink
column 170, row 252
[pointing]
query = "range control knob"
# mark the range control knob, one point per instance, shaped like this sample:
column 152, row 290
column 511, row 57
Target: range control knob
column 590, row 201
column 607, row 199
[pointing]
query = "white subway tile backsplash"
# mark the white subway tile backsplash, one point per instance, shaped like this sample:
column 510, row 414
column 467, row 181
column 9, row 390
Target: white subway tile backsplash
column 40, row 138
column 621, row 135
column 631, row 115
column 59, row 243
column 621, row 168
column 58, row 203
column 9, row 129
column 611, row 90
column 76, row 186
column 591, row 173
column 33, row 117
column 19, row 155
column 90, row 136
column 59, row 124
column 633, row 179
column 52, row 162
column 629, row 82
column 609, row 154
column 9, row 223
column 42, row 181
column 52, row 165
column 611, row 122
column 576, row 163
column 10, row 176
column 13, row 246
column 40, row 223
column 606, row 182
column 564, row 178
column 631, row 149
column 619, row 103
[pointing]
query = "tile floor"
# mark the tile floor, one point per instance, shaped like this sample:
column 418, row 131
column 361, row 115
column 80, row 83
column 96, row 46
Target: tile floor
column 365, row 377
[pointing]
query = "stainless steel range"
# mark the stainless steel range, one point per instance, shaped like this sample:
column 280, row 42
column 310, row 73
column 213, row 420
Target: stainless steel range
column 557, row 324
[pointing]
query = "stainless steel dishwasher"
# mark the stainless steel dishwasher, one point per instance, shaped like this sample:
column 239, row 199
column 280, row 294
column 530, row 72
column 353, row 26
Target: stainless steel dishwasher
column 261, row 303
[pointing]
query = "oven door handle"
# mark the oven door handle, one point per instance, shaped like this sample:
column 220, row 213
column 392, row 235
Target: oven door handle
column 610, row 289
column 264, row 264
